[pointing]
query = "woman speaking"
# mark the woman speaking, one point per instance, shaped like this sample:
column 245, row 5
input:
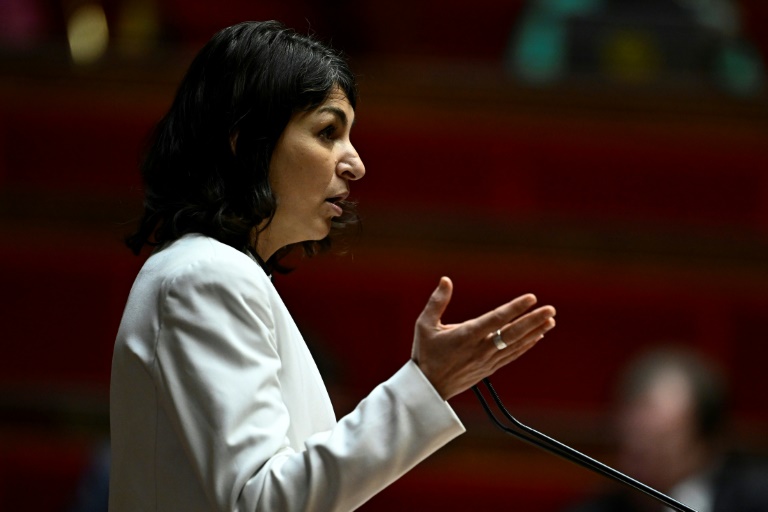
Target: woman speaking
column 216, row 403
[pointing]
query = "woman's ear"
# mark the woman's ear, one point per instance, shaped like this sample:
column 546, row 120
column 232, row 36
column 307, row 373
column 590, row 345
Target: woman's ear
column 233, row 141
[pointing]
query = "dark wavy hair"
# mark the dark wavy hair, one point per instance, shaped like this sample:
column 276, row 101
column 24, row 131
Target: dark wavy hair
column 206, row 168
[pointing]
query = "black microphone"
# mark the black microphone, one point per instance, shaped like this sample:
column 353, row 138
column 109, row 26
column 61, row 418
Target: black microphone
column 554, row 446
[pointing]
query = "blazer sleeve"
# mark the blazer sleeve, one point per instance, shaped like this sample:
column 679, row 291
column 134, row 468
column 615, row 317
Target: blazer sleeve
column 217, row 369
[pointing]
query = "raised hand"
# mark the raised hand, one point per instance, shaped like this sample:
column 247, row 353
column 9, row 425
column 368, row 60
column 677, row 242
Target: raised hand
column 455, row 357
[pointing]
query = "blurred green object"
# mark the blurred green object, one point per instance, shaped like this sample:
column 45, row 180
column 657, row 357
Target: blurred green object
column 568, row 7
column 538, row 53
column 662, row 42
column 739, row 68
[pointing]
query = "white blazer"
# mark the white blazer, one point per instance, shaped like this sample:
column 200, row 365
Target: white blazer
column 217, row 405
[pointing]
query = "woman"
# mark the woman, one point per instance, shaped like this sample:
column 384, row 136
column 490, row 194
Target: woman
column 216, row 403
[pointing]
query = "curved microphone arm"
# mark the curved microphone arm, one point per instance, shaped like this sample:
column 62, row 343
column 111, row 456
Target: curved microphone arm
column 554, row 446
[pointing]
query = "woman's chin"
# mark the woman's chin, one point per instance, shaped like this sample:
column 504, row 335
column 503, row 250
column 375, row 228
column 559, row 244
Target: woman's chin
column 320, row 233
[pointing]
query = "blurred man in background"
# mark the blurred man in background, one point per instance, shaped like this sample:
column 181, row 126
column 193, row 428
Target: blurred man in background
column 671, row 436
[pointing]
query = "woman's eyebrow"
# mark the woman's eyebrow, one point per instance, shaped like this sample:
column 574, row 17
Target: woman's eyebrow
column 337, row 112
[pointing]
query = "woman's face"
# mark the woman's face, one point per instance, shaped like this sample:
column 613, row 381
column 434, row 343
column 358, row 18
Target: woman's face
column 311, row 167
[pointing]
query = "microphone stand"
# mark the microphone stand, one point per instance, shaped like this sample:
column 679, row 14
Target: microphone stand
column 554, row 446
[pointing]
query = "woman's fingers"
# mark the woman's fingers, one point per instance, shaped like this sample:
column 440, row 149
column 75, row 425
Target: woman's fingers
column 523, row 344
column 455, row 357
column 438, row 301
column 499, row 317
column 527, row 323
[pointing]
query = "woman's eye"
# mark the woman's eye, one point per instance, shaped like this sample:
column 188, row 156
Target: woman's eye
column 328, row 131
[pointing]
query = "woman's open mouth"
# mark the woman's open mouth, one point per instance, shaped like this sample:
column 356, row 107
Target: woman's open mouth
column 335, row 203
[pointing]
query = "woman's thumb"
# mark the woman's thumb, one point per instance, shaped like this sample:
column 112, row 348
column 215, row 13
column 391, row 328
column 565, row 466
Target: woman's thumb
column 438, row 302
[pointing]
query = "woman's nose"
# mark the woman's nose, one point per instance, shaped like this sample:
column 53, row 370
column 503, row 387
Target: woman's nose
column 351, row 167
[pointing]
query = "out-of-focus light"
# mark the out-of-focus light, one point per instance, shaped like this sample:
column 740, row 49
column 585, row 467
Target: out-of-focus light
column 88, row 33
column 631, row 56
column 138, row 27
